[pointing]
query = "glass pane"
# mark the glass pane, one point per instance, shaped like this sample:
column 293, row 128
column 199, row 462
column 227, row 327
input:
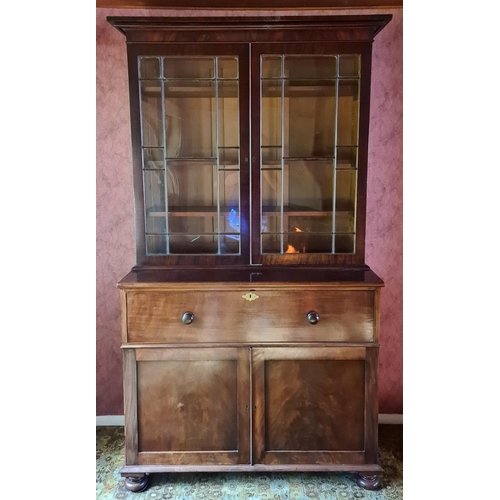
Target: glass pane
column 156, row 244
column 149, row 68
column 310, row 67
column 229, row 158
column 271, row 157
column 298, row 242
column 151, row 113
column 186, row 223
column 344, row 221
column 349, row 66
column 194, row 185
column 348, row 113
column 310, row 119
column 173, row 126
column 345, row 211
column 271, row 66
column 229, row 189
column 310, row 223
column 227, row 67
column 228, row 112
column 271, row 221
column 271, row 113
column 194, row 244
column 347, row 158
column 344, row 243
column 192, row 103
column 192, row 200
column 154, row 197
column 310, row 186
column 152, row 158
column 271, row 190
column 345, row 190
column 309, row 153
column 230, row 223
column 203, row 244
column 271, row 243
column 229, row 244
column 188, row 68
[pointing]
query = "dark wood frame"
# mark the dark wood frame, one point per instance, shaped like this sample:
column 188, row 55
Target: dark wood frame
column 240, row 50
column 152, row 459
column 364, row 49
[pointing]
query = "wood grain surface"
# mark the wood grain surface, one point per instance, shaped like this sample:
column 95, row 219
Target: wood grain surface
column 308, row 405
column 279, row 316
column 193, row 405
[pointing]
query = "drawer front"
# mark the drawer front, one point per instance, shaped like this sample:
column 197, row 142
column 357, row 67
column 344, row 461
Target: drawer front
column 229, row 317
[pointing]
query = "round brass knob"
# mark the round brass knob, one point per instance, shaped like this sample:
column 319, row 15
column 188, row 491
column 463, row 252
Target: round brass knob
column 187, row 318
column 312, row 317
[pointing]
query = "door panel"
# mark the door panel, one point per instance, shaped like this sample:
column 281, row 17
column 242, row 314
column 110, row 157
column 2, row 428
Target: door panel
column 299, row 412
column 193, row 406
column 309, row 405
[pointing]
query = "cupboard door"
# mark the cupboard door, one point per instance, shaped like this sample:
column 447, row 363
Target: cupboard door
column 190, row 142
column 314, row 405
column 192, row 406
column 311, row 146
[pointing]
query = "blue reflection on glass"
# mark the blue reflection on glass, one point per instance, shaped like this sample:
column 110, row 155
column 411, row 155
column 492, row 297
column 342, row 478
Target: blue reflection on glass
column 234, row 221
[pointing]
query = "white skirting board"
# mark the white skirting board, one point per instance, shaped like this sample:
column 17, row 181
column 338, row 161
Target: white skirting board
column 105, row 420
column 117, row 420
column 390, row 418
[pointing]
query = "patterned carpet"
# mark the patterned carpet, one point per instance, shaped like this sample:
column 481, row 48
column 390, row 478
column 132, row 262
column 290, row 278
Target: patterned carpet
column 110, row 449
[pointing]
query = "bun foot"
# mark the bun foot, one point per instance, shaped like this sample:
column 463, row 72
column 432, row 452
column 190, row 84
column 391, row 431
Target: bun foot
column 369, row 481
column 137, row 483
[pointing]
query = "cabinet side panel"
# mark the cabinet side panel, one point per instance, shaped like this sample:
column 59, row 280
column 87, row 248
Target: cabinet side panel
column 130, row 405
column 123, row 308
column 371, row 405
column 376, row 305
column 135, row 125
column 364, row 121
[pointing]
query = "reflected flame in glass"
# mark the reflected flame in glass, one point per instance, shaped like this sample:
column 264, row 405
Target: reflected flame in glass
column 291, row 248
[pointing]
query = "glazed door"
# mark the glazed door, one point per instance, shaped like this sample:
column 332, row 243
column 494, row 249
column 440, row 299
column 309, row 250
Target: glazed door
column 188, row 406
column 309, row 148
column 314, row 405
column 190, row 145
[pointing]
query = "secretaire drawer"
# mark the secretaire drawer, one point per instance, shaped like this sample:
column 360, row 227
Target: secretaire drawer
column 269, row 316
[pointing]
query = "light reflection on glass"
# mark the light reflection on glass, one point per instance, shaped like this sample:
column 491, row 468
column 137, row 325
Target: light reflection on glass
column 234, row 221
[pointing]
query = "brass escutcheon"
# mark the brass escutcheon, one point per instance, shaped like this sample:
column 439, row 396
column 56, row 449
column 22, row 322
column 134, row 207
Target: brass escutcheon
column 250, row 296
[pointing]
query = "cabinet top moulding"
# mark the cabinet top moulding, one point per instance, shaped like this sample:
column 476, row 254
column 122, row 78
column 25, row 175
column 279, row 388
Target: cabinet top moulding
column 249, row 4
column 250, row 29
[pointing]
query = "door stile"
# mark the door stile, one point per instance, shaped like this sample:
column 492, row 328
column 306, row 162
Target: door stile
column 244, row 393
column 258, row 405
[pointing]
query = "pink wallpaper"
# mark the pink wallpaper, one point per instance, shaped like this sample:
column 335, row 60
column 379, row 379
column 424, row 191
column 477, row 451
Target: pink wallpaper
column 115, row 249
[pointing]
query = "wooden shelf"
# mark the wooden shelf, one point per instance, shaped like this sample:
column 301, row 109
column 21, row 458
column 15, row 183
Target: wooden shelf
column 291, row 210
column 207, row 91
